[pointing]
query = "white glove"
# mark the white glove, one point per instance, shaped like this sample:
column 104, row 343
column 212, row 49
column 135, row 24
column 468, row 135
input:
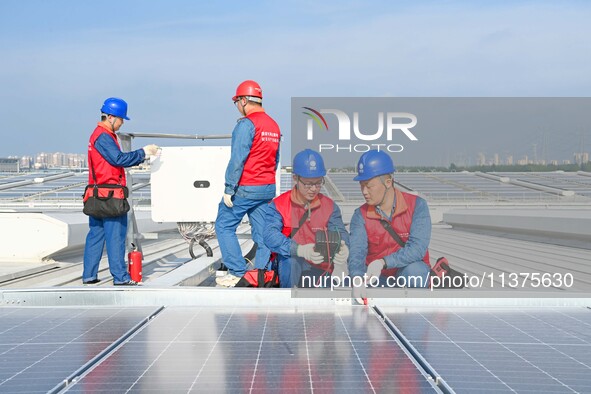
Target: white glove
column 151, row 149
column 228, row 200
column 307, row 252
column 340, row 270
column 374, row 269
column 341, row 257
column 359, row 294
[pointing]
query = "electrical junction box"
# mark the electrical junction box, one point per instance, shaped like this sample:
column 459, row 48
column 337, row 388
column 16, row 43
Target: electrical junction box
column 188, row 183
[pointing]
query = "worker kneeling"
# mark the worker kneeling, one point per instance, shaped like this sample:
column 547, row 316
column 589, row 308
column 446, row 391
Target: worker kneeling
column 305, row 230
column 390, row 233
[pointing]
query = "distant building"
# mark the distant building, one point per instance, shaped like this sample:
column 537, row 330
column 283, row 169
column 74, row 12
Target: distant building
column 581, row 158
column 41, row 161
column 524, row 161
column 59, row 160
column 9, row 165
column 26, row 162
column 481, row 159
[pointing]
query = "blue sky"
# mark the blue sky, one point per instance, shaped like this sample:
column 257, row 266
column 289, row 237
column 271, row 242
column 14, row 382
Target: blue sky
column 177, row 63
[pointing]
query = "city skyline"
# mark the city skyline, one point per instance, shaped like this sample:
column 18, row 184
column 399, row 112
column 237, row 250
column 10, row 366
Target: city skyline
column 531, row 152
column 47, row 160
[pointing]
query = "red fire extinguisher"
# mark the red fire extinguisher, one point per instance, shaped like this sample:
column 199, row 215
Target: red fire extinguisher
column 135, row 264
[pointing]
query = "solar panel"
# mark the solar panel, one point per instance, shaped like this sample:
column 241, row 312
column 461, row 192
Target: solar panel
column 501, row 350
column 285, row 182
column 19, row 178
column 438, row 186
column 347, row 186
column 188, row 349
column 70, row 188
column 580, row 184
column 40, row 347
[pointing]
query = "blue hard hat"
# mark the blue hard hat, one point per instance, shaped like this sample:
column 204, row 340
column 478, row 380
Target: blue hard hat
column 373, row 163
column 116, row 107
column 308, row 164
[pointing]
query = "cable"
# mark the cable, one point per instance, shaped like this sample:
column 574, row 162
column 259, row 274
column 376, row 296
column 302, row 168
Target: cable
column 197, row 232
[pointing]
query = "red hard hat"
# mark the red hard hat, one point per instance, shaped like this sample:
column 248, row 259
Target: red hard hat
column 248, row 88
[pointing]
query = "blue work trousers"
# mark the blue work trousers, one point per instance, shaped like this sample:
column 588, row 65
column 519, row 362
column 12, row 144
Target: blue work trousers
column 293, row 269
column 111, row 231
column 226, row 224
column 413, row 275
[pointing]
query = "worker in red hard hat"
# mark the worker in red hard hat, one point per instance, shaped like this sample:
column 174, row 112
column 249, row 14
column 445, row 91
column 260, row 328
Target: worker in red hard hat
column 249, row 182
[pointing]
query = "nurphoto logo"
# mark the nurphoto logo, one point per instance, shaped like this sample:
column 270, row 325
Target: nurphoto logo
column 389, row 124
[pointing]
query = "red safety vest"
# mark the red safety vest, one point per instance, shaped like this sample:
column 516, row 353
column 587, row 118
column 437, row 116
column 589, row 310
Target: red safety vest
column 259, row 168
column 105, row 172
column 379, row 242
column 291, row 211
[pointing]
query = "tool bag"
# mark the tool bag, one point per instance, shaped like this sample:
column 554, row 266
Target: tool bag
column 259, row 278
column 441, row 268
column 263, row 277
column 105, row 200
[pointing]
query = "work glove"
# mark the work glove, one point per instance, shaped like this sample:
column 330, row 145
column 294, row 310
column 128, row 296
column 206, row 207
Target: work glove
column 340, row 270
column 228, row 200
column 359, row 294
column 308, row 253
column 341, row 257
column 374, row 269
column 151, row 149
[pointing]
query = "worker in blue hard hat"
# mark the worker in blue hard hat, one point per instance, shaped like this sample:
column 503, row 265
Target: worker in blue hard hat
column 390, row 233
column 304, row 227
column 106, row 163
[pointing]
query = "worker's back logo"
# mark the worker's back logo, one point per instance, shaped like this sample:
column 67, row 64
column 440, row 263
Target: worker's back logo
column 388, row 124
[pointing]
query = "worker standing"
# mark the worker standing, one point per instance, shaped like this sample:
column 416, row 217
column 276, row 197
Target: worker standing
column 106, row 166
column 249, row 181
